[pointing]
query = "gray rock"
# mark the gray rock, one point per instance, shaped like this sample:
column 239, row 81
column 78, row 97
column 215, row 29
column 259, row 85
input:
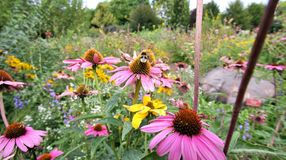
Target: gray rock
column 222, row 84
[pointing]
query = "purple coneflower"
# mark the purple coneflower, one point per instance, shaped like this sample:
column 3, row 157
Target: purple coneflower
column 97, row 130
column 182, row 135
column 50, row 156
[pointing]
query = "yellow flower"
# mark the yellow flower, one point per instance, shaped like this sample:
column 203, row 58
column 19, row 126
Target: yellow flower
column 155, row 107
column 17, row 64
column 89, row 74
column 165, row 90
column 101, row 75
column 31, row 76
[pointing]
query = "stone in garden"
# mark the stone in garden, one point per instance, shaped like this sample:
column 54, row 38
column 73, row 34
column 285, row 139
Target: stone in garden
column 222, row 84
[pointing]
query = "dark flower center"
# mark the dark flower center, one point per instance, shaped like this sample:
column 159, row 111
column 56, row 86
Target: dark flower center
column 97, row 127
column 258, row 118
column 187, row 122
column 45, row 156
column 89, row 55
column 82, row 90
column 15, row 130
column 4, row 76
column 141, row 65
column 151, row 105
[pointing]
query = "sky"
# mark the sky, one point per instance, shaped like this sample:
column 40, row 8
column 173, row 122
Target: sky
column 223, row 4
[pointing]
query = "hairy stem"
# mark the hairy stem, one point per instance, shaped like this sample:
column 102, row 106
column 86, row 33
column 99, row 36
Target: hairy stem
column 137, row 90
column 2, row 110
column 197, row 51
column 255, row 51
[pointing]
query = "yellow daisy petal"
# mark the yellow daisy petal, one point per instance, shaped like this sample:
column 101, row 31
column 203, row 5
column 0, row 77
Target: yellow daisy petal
column 135, row 107
column 158, row 112
column 146, row 99
column 137, row 119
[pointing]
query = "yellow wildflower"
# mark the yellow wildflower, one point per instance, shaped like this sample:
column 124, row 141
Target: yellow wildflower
column 30, row 76
column 101, row 75
column 17, row 64
column 89, row 74
column 155, row 107
column 165, row 90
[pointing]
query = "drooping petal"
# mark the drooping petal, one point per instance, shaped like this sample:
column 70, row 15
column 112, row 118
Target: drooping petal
column 72, row 61
column 159, row 137
column 156, row 127
column 20, row 144
column 86, row 64
column 212, row 137
column 8, row 150
column 110, row 60
column 169, row 118
column 131, row 80
column 213, row 148
column 138, row 117
column 4, row 143
column 165, row 145
column 26, row 141
column 202, row 149
column 55, row 153
column 187, row 149
column 175, row 151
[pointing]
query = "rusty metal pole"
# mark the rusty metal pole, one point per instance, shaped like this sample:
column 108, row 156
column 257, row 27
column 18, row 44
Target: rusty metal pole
column 199, row 17
column 255, row 51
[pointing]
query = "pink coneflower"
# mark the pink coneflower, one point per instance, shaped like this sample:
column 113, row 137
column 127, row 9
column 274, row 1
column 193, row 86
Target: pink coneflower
column 181, row 65
column 91, row 58
column 82, row 91
column 238, row 65
column 97, row 130
column 276, row 67
column 259, row 118
column 184, row 87
column 19, row 136
column 140, row 69
column 182, row 135
column 253, row 102
column 7, row 82
column 50, row 156
column 180, row 103
column 62, row 75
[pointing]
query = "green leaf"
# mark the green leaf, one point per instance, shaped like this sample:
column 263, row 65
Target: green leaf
column 127, row 127
column 234, row 139
column 72, row 150
column 152, row 156
column 97, row 141
column 111, row 120
column 257, row 152
column 88, row 116
column 132, row 155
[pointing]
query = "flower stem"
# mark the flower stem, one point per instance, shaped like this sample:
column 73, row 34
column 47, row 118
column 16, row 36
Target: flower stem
column 277, row 128
column 197, row 51
column 2, row 110
column 275, row 84
column 255, row 51
column 136, row 94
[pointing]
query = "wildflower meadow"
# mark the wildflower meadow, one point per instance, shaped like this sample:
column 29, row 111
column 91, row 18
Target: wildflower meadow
column 142, row 80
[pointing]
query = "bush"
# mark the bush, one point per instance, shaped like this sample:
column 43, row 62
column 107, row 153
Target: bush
column 143, row 17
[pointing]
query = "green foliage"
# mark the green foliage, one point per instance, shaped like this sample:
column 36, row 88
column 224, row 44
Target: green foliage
column 103, row 17
column 180, row 13
column 143, row 17
column 211, row 9
column 255, row 11
column 237, row 12
column 121, row 8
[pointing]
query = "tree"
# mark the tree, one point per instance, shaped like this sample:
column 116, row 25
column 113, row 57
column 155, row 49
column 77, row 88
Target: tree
column 211, row 9
column 103, row 17
column 143, row 16
column 255, row 11
column 180, row 13
column 239, row 15
column 121, row 8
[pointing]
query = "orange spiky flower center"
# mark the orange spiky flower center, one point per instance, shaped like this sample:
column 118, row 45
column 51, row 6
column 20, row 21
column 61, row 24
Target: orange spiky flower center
column 97, row 127
column 91, row 53
column 187, row 122
column 4, row 76
column 141, row 65
column 82, row 90
column 15, row 130
column 45, row 156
